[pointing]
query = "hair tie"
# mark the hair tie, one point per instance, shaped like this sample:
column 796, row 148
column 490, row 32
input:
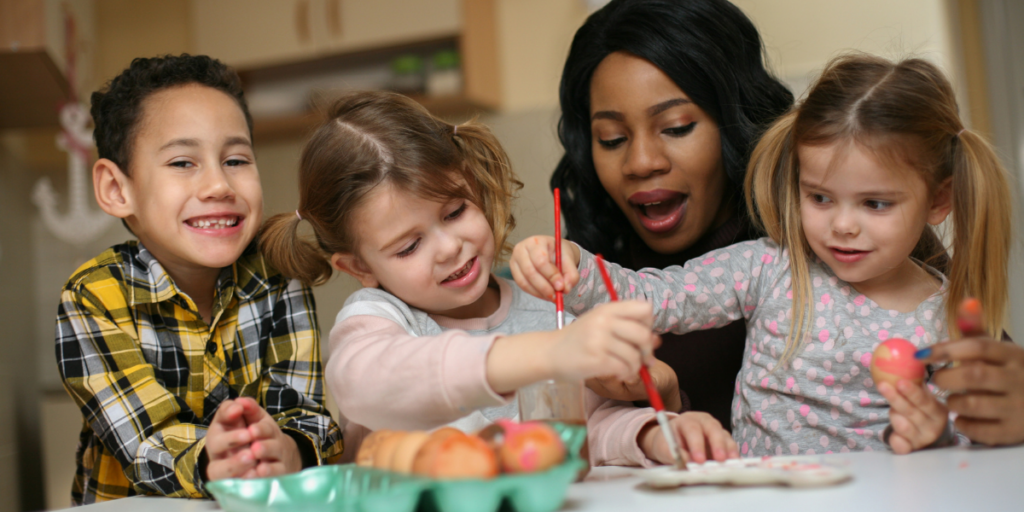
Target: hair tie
column 455, row 130
column 297, row 215
column 962, row 130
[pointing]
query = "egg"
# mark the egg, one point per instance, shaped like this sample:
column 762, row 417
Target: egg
column 461, row 456
column 365, row 455
column 530, row 446
column 894, row 360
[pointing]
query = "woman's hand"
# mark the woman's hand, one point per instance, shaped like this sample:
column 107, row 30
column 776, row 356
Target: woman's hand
column 632, row 389
column 917, row 417
column 533, row 266
column 701, row 435
column 986, row 386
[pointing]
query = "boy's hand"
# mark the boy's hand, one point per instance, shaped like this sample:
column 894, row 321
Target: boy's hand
column 917, row 417
column 533, row 266
column 632, row 389
column 274, row 451
column 612, row 339
column 987, row 387
column 228, row 443
column 700, row 433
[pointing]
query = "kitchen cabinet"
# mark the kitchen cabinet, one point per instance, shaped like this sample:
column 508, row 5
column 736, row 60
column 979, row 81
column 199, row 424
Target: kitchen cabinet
column 33, row 49
column 256, row 33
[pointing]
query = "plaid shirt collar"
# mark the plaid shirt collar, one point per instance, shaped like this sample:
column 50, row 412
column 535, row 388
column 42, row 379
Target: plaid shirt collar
column 249, row 278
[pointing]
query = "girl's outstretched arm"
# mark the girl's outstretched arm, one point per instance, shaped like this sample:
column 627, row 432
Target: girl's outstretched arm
column 707, row 292
column 383, row 377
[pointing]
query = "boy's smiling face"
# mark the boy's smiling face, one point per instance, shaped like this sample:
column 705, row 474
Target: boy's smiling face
column 194, row 194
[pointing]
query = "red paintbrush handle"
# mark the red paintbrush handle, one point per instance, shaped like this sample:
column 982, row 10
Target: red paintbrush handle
column 652, row 392
column 607, row 278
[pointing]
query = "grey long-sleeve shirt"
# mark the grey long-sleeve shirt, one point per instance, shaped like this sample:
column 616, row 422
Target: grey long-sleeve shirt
column 824, row 400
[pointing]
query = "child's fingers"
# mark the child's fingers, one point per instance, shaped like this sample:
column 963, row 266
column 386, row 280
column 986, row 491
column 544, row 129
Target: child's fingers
column 899, row 444
column 231, row 467
column 267, row 450
column 222, row 444
column 268, row 469
column 719, row 442
column 527, row 277
column 264, row 429
column 903, row 426
column 253, row 413
column 692, row 436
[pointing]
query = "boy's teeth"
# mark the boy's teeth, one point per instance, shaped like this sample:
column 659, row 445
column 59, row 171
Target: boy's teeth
column 214, row 223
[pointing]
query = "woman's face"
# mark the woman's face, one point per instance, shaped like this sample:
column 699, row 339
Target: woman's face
column 656, row 152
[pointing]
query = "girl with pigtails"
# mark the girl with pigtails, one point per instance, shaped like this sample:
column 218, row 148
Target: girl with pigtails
column 847, row 186
column 419, row 211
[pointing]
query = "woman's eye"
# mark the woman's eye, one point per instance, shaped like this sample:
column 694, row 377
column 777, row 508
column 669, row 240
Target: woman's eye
column 679, row 131
column 877, row 205
column 611, row 143
column 458, row 212
column 410, row 249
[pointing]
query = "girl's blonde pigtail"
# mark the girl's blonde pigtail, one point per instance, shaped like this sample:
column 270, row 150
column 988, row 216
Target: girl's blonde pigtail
column 772, row 190
column 982, row 207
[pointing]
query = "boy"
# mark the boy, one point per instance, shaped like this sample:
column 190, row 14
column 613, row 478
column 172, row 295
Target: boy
column 190, row 359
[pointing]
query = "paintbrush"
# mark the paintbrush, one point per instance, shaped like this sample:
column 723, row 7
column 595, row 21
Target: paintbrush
column 652, row 392
column 559, row 301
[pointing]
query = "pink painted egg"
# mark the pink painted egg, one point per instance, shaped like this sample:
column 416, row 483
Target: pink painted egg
column 894, row 360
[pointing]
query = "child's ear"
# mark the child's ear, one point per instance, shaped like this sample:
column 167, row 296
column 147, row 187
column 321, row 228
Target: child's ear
column 353, row 266
column 942, row 203
column 110, row 185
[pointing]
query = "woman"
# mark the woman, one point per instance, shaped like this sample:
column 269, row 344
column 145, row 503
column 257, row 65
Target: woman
column 662, row 102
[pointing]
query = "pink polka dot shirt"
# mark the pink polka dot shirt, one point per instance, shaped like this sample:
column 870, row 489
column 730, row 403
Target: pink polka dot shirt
column 824, row 400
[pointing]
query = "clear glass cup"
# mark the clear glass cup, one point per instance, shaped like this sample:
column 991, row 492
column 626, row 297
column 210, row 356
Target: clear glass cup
column 560, row 401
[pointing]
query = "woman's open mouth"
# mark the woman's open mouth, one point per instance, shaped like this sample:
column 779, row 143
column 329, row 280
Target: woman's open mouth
column 465, row 275
column 659, row 210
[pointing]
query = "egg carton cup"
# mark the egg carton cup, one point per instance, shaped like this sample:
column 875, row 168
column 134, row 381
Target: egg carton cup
column 351, row 488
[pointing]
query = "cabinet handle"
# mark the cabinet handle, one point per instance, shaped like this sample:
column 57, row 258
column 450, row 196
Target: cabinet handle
column 302, row 20
column 334, row 18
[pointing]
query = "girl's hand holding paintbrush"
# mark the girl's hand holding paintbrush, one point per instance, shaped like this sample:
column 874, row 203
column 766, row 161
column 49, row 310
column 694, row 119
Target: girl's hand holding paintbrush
column 986, row 384
column 533, row 266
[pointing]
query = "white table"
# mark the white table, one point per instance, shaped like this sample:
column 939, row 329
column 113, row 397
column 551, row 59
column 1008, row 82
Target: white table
column 960, row 479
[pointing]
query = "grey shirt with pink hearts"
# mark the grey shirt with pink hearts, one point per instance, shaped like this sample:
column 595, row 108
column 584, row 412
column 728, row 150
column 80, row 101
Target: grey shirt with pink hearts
column 823, row 400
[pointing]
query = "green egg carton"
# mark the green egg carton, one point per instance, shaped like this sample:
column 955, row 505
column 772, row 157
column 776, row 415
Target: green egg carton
column 350, row 488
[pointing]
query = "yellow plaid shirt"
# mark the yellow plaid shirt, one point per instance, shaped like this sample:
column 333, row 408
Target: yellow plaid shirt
column 148, row 373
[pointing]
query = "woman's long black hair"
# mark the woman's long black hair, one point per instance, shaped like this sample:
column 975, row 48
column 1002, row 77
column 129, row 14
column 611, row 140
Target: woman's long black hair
column 710, row 49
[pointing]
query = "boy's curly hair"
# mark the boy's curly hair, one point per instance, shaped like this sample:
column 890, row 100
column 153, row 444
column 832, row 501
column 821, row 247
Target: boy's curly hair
column 117, row 109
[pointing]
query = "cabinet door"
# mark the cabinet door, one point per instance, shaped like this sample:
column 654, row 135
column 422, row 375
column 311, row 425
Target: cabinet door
column 250, row 33
column 354, row 24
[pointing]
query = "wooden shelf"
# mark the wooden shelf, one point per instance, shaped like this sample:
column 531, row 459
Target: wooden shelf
column 454, row 109
column 32, row 90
